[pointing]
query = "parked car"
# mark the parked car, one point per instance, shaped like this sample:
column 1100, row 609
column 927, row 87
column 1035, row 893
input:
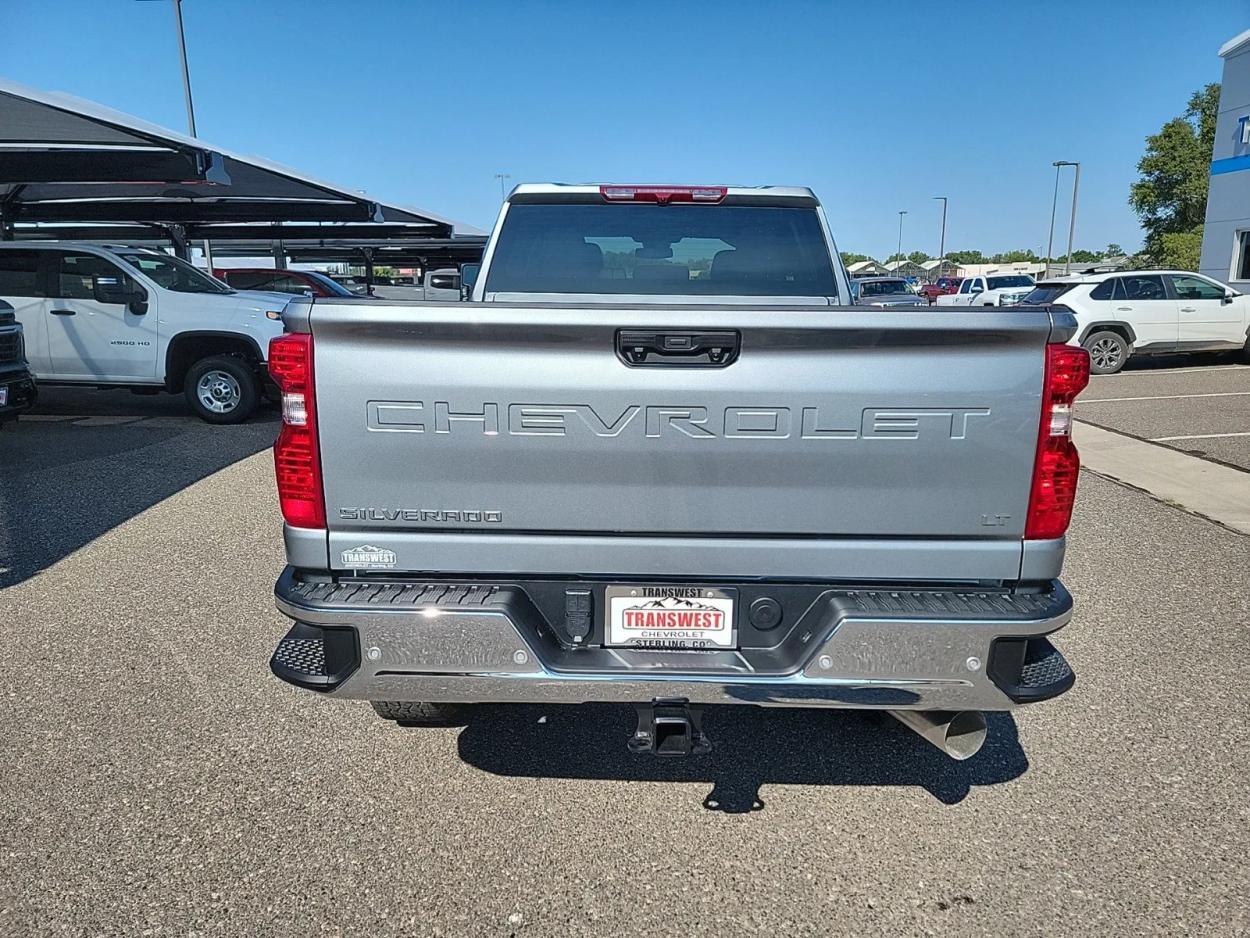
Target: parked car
column 17, row 387
column 943, row 286
column 273, row 280
column 660, row 461
column 115, row 316
column 886, row 291
column 1149, row 312
column 992, row 290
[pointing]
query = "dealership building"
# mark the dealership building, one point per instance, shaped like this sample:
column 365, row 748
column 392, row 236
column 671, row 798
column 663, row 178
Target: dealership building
column 1226, row 236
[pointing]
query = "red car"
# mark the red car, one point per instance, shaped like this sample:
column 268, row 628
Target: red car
column 943, row 287
column 273, row 280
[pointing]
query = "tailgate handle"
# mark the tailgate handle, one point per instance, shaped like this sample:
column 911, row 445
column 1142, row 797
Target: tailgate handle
column 678, row 348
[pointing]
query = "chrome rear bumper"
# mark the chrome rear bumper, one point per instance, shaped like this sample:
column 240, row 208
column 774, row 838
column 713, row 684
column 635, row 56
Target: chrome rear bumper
column 921, row 649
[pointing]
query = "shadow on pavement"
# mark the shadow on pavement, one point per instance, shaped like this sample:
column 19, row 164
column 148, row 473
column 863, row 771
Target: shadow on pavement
column 752, row 747
column 77, row 471
column 1181, row 360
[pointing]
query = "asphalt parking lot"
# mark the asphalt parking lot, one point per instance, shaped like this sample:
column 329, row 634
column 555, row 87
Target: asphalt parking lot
column 158, row 780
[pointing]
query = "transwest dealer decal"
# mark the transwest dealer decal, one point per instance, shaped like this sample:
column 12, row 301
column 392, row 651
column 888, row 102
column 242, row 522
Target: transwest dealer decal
column 441, row 418
column 672, row 613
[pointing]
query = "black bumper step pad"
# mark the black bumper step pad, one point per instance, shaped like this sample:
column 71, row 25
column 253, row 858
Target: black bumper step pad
column 316, row 657
column 1044, row 665
column 1029, row 669
column 302, row 656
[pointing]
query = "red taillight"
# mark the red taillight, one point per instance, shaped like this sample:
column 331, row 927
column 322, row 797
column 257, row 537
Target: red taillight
column 663, row 194
column 1057, row 465
column 296, row 456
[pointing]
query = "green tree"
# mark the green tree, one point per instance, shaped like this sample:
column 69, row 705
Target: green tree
column 1180, row 249
column 1015, row 257
column 966, row 257
column 850, row 257
column 895, row 257
column 918, row 257
column 1170, row 198
column 1113, row 250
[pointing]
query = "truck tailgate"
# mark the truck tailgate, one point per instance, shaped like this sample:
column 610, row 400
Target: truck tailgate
column 494, row 438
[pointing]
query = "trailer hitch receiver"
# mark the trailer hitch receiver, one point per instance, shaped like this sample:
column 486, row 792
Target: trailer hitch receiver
column 669, row 727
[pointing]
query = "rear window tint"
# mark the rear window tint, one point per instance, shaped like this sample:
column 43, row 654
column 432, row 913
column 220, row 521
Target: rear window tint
column 883, row 287
column 703, row 250
column 19, row 274
column 1046, row 293
column 1004, row 283
column 1104, row 290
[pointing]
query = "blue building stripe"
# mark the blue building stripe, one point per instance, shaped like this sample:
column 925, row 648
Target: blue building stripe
column 1233, row 164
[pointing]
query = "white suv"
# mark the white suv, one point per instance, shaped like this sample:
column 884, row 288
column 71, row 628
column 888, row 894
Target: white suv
column 1147, row 312
column 116, row 316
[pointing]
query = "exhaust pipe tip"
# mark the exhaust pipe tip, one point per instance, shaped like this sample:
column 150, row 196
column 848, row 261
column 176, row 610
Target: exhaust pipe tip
column 960, row 734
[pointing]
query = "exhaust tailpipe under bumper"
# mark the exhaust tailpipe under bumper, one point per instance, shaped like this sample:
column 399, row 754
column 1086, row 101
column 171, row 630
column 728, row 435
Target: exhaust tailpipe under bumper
column 958, row 733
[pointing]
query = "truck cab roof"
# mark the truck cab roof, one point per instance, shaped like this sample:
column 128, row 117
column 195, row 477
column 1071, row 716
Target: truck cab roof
column 559, row 191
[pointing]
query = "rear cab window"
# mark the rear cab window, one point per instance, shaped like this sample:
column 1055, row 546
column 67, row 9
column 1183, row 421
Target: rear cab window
column 883, row 287
column 20, row 274
column 1007, row 282
column 677, row 249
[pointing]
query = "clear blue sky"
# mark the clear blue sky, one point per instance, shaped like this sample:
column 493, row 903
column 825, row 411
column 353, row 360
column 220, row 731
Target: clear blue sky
column 422, row 103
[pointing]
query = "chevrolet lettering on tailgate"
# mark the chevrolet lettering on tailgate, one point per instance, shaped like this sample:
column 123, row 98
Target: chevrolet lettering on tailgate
column 695, row 422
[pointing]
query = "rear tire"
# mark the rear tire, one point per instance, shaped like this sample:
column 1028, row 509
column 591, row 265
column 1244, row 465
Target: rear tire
column 222, row 389
column 414, row 713
column 1108, row 351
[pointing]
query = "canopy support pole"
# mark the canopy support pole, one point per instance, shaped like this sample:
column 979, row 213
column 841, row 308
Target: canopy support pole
column 368, row 253
column 178, row 238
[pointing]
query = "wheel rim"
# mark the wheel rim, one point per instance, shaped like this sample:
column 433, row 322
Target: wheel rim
column 1105, row 353
column 218, row 392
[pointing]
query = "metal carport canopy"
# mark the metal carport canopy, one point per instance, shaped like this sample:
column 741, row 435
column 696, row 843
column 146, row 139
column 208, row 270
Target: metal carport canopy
column 75, row 162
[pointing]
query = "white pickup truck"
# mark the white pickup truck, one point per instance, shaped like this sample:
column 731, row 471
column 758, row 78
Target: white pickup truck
column 989, row 290
column 116, row 316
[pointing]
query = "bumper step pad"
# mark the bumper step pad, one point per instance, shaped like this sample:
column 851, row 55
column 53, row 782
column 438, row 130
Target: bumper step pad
column 1044, row 666
column 316, row 658
column 302, row 656
column 1030, row 669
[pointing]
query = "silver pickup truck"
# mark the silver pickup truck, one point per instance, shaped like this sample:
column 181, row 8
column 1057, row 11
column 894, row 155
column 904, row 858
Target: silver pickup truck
column 658, row 460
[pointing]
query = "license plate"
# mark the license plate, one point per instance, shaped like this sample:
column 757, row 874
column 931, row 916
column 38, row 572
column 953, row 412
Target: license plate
column 4, row 394
column 671, row 617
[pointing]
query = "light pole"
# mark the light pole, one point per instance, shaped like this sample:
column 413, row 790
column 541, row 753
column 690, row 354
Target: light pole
column 1054, row 202
column 1076, row 187
column 186, row 92
column 503, row 191
column 942, row 243
column 186, row 73
column 898, row 260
